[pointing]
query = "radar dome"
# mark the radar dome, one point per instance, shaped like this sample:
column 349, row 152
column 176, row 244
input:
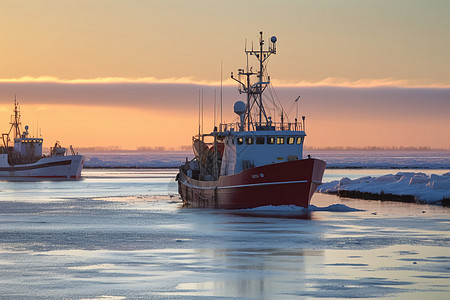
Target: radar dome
column 239, row 108
column 273, row 39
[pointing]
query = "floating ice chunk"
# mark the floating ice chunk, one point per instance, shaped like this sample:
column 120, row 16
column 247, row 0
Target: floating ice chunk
column 418, row 180
column 411, row 174
column 344, row 181
column 334, row 208
column 328, row 187
column 405, row 179
column 364, row 179
column 386, row 178
column 435, row 177
column 439, row 185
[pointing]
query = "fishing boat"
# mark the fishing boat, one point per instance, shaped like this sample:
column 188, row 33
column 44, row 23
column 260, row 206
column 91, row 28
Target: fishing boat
column 24, row 159
column 254, row 161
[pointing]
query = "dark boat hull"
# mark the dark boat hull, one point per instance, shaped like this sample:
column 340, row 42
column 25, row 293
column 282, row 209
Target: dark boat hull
column 288, row 183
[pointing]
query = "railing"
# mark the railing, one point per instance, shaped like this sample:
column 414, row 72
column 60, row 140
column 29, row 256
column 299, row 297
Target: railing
column 277, row 126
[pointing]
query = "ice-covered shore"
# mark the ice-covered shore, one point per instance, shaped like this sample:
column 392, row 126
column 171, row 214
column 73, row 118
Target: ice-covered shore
column 433, row 189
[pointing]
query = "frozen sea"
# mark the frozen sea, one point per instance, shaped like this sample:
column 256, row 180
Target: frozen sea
column 123, row 234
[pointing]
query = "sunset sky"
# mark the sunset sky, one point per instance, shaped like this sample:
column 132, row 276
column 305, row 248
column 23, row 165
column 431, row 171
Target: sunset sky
column 128, row 73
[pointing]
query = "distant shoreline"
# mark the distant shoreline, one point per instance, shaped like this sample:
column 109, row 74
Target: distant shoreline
column 414, row 149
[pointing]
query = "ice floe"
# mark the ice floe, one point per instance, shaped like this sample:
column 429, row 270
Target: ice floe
column 334, row 208
column 422, row 187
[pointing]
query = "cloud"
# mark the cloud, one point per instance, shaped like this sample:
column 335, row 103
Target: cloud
column 182, row 95
column 329, row 82
column 114, row 80
column 380, row 115
column 361, row 83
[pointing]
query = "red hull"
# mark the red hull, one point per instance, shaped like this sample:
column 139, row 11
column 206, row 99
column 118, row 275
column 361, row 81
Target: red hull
column 288, row 183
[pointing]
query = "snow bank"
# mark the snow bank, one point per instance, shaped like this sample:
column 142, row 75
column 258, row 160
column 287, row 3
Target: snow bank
column 424, row 188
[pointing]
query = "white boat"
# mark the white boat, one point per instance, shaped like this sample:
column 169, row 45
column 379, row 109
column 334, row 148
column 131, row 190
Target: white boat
column 24, row 160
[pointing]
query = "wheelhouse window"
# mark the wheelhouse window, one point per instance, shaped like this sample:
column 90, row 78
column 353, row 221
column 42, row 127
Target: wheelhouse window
column 249, row 140
column 280, row 140
column 260, row 140
column 290, row 140
column 239, row 141
column 299, row 140
column 270, row 140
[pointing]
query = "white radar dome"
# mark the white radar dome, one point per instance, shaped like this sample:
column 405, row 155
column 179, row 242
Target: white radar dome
column 239, row 108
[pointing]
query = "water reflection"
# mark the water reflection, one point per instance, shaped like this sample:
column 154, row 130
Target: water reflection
column 252, row 273
column 278, row 214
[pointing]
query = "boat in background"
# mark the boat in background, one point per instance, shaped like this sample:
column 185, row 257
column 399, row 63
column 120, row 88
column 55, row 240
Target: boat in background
column 24, row 160
column 253, row 162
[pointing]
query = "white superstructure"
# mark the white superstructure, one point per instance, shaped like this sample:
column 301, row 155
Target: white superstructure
column 25, row 159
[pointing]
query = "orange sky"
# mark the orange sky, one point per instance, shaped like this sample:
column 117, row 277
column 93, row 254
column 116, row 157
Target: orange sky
column 128, row 73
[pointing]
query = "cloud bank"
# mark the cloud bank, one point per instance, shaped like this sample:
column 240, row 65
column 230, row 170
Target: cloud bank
column 379, row 115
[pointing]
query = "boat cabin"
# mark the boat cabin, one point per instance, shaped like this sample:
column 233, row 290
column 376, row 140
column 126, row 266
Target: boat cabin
column 249, row 149
column 28, row 146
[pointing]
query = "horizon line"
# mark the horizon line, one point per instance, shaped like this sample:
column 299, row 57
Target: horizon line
column 308, row 148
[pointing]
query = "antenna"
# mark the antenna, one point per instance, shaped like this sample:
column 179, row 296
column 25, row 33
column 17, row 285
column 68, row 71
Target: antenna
column 221, row 69
column 202, row 110
column 199, row 113
column 254, row 90
column 215, row 92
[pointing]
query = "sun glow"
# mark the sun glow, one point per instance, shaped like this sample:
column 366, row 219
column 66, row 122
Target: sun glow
column 86, row 126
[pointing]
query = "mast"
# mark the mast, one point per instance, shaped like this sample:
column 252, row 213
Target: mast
column 15, row 120
column 254, row 91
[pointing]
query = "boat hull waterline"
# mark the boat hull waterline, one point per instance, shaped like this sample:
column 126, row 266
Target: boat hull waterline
column 288, row 183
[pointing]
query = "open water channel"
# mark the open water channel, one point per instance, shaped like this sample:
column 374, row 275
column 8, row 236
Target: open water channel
column 122, row 234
